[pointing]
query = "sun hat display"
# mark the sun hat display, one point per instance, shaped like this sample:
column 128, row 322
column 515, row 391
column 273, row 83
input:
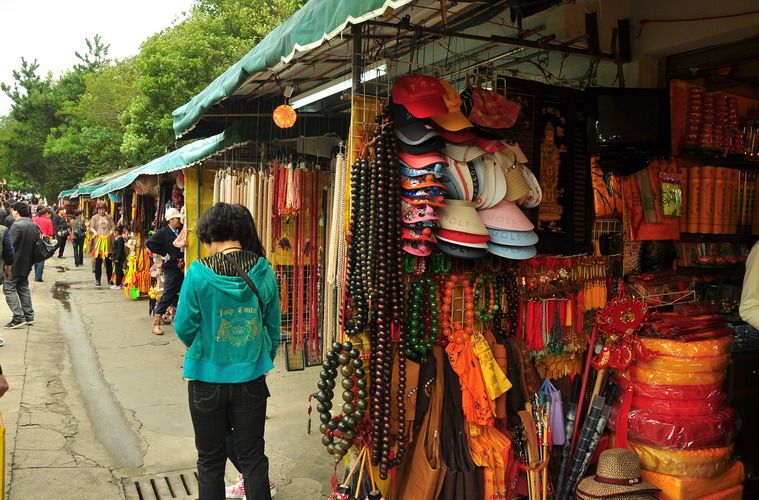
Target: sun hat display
column 494, row 175
column 513, row 238
column 453, row 120
column 489, row 145
column 425, row 234
column 521, row 158
column 512, row 252
column 173, row 213
column 461, row 216
column 470, row 244
column 475, row 180
column 415, row 133
column 433, row 144
column 461, row 178
column 435, row 201
column 506, row 215
column 482, row 182
column 516, row 184
column 411, row 214
column 457, row 137
column 426, row 192
column 421, row 161
column 419, row 182
column 407, row 127
column 533, row 199
column 462, row 152
column 618, row 473
column 422, row 95
column 418, row 248
column 435, row 169
column 488, row 108
column 461, row 237
column 461, row 251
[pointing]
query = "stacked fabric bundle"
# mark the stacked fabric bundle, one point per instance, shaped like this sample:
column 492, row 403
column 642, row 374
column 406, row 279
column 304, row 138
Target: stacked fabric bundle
column 455, row 160
column 674, row 411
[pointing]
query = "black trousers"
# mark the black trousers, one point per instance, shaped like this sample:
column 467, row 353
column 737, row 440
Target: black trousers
column 78, row 245
column 61, row 246
column 172, row 284
column 99, row 268
column 212, row 408
column 119, row 265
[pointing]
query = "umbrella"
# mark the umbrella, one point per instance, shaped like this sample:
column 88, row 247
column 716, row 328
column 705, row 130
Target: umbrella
column 588, row 428
column 569, row 426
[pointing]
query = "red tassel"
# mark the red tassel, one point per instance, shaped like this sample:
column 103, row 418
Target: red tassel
column 623, row 419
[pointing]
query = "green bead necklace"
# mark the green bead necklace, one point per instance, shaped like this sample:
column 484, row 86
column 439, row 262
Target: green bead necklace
column 490, row 295
column 422, row 327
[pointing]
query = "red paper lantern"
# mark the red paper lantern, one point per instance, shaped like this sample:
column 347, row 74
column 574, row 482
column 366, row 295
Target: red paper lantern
column 284, row 116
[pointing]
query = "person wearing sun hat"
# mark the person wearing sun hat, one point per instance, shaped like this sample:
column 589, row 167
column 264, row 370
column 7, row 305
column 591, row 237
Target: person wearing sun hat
column 617, row 477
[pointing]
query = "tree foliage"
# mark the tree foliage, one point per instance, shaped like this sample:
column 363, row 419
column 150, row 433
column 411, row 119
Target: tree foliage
column 103, row 114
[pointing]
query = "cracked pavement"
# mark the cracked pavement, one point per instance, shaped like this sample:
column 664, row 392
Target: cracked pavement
column 61, row 444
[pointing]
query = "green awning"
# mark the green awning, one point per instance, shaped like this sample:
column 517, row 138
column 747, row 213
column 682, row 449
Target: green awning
column 67, row 193
column 317, row 22
column 84, row 190
column 238, row 133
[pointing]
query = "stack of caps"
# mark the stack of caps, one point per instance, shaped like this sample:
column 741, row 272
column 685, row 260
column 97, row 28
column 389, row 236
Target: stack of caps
column 455, row 146
column 414, row 99
column 511, row 232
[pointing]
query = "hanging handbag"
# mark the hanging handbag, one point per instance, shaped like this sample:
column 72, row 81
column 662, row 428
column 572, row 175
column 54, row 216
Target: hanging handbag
column 423, row 476
column 44, row 248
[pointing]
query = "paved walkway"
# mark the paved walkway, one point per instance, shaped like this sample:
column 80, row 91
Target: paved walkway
column 96, row 399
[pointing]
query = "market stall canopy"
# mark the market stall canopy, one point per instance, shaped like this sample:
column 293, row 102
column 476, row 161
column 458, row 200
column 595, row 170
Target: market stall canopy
column 66, row 193
column 321, row 46
column 317, row 22
column 185, row 156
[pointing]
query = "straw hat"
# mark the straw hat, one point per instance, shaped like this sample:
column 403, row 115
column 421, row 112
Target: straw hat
column 516, row 184
column 631, row 496
column 617, row 476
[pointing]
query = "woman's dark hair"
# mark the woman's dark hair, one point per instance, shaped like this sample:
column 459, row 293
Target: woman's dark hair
column 42, row 211
column 58, row 209
column 120, row 229
column 78, row 213
column 227, row 222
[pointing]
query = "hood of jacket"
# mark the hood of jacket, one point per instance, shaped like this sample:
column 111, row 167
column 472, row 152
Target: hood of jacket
column 235, row 286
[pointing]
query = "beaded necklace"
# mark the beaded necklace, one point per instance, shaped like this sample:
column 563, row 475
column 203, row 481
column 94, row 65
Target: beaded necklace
column 491, row 296
column 422, row 323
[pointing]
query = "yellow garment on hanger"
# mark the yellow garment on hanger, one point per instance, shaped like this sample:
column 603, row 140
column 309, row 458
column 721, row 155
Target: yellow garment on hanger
column 496, row 382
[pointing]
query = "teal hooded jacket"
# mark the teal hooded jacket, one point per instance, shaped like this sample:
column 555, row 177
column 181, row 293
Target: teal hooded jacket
column 230, row 339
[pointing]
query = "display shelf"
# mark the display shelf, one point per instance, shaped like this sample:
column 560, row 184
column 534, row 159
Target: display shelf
column 717, row 159
column 718, row 238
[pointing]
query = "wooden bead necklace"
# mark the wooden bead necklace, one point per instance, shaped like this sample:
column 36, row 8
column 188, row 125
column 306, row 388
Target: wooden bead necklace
column 454, row 330
column 339, row 431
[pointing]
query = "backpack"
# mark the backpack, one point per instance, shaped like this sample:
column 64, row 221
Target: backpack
column 79, row 231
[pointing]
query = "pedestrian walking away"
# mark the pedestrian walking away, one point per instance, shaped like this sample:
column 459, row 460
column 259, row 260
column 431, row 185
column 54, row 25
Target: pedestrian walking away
column 78, row 233
column 102, row 228
column 162, row 243
column 229, row 318
column 24, row 234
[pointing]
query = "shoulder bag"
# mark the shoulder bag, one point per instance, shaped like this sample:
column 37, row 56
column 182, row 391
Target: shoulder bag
column 247, row 279
column 44, row 248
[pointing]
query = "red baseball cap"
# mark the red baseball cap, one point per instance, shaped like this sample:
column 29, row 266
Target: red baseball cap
column 421, row 161
column 421, row 95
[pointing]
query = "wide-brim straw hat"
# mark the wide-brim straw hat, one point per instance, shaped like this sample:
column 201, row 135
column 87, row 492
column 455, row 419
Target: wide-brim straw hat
column 617, row 476
column 631, row 496
column 516, row 184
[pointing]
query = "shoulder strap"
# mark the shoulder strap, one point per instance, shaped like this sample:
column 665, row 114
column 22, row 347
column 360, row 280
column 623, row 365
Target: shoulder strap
column 247, row 279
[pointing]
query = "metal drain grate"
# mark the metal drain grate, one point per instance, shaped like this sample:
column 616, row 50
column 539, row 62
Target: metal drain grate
column 180, row 484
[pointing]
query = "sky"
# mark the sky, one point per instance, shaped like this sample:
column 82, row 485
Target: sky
column 52, row 30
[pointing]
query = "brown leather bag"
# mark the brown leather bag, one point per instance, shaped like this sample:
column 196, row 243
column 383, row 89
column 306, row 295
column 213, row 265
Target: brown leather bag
column 528, row 377
column 423, row 474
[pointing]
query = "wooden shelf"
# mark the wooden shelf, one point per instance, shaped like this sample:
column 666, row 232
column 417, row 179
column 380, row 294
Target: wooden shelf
column 718, row 238
column 714, row 159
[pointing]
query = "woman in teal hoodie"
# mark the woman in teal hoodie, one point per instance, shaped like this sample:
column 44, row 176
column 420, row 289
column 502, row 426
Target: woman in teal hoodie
column 232, row 332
